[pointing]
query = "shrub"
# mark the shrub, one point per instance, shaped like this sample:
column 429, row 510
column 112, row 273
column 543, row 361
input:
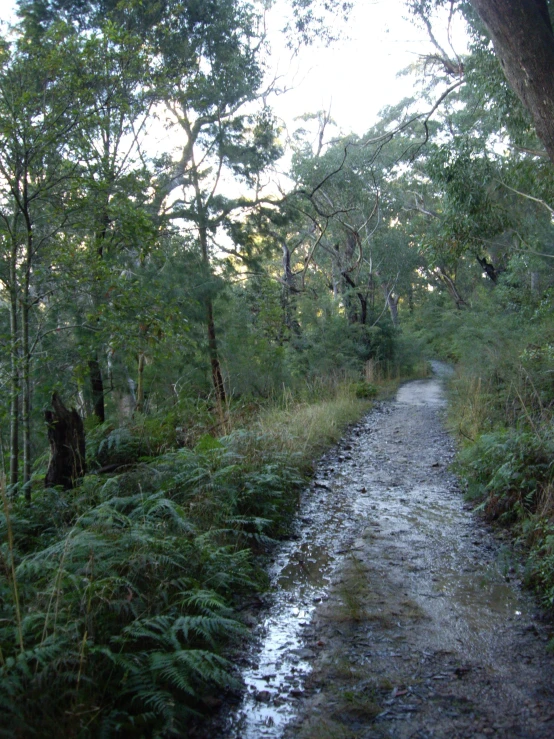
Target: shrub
column 365, row 390
column 506, row 470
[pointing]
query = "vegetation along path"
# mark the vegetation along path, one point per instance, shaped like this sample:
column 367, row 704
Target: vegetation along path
column 394, row 611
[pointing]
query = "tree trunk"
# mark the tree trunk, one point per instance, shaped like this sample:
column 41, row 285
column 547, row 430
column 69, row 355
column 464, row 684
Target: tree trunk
column 14, row 384
column 451, row 287
column 66, row 435
column 352, row 313
column 25, row 344
column 26, row 386
column 392, row 304
column 139, row 407
column 217, row 375
column 523, row 40
column 97, row 389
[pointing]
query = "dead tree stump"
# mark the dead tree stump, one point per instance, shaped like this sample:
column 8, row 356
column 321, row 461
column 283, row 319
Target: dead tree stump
column 66, row 435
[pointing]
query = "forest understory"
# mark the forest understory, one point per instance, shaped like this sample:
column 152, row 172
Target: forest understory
column 198, row 300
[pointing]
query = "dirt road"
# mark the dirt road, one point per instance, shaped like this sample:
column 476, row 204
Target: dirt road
column 395, row 612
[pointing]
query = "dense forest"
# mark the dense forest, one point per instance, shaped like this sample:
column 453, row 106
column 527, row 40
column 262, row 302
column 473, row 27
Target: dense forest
column 183, row 332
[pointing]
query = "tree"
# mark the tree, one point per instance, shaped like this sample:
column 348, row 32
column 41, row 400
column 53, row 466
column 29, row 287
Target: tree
column 523, row 38
column 38, row 119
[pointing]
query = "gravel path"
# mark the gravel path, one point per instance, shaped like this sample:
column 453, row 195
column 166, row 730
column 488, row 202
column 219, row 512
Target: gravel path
column 402, row 614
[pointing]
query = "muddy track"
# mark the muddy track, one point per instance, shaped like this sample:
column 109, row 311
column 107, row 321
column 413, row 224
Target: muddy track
column 395, row 612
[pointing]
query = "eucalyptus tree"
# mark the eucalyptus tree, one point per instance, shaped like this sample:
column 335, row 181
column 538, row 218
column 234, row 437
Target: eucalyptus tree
column 201, row 65
column 523, row 38
column 360, row 237
column 114, row 177
column 212, row 85
column 43, row 99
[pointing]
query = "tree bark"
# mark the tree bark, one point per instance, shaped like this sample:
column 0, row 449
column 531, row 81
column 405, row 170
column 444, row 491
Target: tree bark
column 97, row 388
column 451, row 287
column 14, row 383
column 66, row 435
column 523, row 39
column 353, row 315
column 392, row 303
column 139, row 407
column 217, row 375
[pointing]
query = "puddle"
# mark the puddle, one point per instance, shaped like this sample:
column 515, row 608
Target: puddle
column 299, row 577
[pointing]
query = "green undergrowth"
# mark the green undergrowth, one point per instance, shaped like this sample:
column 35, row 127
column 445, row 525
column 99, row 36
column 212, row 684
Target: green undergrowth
column 120, row 599
column 509, row 475
column 506, row 464
column 502, row 411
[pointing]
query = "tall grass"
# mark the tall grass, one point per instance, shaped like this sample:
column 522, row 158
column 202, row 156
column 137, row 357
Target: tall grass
column 306, row 429
column 502, row 402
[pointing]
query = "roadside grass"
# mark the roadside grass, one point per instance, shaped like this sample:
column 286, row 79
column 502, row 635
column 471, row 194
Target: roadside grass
column 307, row 429
column 318, row 728
column 506, row 436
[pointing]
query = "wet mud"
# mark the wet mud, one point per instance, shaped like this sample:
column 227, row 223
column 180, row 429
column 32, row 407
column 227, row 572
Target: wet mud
column 394, row 611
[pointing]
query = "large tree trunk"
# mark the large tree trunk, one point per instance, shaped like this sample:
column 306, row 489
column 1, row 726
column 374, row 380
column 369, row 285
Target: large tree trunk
column 523, row 40
column 66, row 435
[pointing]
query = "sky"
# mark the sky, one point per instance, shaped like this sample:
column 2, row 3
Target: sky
column 354, row 77
column 358, row 75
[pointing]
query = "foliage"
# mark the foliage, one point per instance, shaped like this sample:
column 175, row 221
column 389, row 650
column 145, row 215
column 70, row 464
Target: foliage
column 502, row 399
column 217, row 337
column 127, row 599
column 365, row 390
column 125, row 588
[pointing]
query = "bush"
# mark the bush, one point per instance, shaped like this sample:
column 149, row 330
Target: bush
column 122, row 591
column 365, row 390
column 506, row 470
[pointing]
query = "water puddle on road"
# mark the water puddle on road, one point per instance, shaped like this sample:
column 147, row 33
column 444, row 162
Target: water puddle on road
column 389, row 473
column 299, row 576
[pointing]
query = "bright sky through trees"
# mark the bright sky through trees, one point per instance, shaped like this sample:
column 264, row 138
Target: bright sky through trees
column 354, row 77
column 358, row 75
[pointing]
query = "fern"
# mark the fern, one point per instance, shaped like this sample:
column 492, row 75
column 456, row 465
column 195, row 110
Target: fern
column 127, row 587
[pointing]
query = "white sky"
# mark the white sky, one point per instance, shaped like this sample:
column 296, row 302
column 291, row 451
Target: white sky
column 357, row 76
column 354, row 77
